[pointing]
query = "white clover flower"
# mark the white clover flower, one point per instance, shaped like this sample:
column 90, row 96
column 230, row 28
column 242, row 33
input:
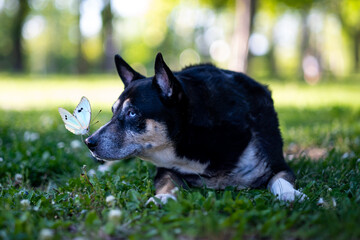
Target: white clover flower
column 333, row 202
column 321, row 201
column 46, row 155
column 110, row 199
column 80, row 238
column 60, row 145
column 348, row 155
column 1, row 159
column 103, row 168
column 115, row 215
column 91, row 172
column 25, row 203
column 31, row 136
column 18, row 178
column 46, row 234
column 75, row 144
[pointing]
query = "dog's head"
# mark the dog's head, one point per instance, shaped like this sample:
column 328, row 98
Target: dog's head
column 145, row 116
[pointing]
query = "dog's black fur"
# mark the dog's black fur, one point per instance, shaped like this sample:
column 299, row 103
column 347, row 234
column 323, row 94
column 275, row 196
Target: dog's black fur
column 202, row 125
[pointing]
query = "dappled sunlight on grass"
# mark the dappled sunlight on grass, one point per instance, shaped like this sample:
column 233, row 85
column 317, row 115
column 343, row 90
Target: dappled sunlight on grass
column 31, row 92
column 27, row 93
column 301, row 95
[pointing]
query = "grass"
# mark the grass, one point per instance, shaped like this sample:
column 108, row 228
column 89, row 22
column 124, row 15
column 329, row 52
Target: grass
column 46, row 193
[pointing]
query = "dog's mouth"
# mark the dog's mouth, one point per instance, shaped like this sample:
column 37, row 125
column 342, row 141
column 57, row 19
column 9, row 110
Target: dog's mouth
column 99, row 159
column 129, row 152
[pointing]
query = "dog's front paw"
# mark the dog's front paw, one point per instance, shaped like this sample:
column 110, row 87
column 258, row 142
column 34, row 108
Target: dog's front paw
column 163, row 199
column 284, row 191
column 292, row 196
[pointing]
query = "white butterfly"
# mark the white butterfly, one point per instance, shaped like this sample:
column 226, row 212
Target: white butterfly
column 78, row 123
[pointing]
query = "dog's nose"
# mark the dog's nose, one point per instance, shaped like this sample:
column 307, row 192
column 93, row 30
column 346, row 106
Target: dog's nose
column 91, row 143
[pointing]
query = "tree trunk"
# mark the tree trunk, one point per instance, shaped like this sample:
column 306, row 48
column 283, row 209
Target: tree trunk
column 18, row 53
column 244, row 13
column 107, row 37
column 82, row 65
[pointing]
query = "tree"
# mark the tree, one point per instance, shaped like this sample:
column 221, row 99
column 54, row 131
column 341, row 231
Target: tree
column 19, row 20
column 350, row 19
column 244, row 13
column 82, row 64
column 107, row 37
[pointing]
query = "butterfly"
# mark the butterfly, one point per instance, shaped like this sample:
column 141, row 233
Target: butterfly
column 78, row 122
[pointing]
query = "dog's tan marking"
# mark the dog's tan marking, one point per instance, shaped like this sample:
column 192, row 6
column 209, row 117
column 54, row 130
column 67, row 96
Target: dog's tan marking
column 165, row 185
column 116, row 105
column 125, row 104
column 153, row 139
column 159, row 150
column 167, row 158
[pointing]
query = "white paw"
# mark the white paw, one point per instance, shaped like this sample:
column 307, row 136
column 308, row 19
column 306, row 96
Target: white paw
column 285, row 191
column 292, row 196
column 164, row 197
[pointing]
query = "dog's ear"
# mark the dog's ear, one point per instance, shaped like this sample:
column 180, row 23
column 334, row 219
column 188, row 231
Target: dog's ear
column 126, row 73
column 165, row 80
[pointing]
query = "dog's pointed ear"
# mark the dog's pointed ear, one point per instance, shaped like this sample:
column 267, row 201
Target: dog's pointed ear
column 126, row 73
column 164, row 79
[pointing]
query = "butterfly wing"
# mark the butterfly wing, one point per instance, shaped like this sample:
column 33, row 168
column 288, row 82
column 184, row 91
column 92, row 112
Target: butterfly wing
column 71, row 123
column 83, row 113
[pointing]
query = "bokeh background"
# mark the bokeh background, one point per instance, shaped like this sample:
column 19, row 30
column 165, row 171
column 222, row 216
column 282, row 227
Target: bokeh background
column 66, row 43
column 310, row 39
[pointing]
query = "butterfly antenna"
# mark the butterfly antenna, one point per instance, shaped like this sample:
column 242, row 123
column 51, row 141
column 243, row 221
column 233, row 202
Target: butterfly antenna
column 94, row 123
column 96, row 116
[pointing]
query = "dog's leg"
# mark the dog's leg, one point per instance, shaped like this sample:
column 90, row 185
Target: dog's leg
column 167, row 183
column 281, row 185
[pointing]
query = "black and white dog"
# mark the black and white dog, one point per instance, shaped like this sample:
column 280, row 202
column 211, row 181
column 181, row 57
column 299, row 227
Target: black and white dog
column 202, row 126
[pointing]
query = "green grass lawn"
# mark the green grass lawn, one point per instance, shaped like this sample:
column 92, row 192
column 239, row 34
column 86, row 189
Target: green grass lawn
column 46, row 193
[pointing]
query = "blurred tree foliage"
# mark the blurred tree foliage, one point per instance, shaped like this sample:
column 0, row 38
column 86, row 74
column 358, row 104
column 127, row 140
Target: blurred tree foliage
column 310, row 37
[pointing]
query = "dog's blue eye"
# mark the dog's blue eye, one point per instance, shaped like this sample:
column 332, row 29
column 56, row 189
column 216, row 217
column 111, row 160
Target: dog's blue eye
column 131, row 113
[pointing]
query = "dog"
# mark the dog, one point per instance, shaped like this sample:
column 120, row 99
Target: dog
column 202, row 126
